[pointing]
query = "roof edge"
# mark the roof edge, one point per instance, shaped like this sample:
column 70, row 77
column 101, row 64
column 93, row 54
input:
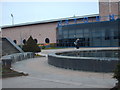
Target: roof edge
column 47, row 21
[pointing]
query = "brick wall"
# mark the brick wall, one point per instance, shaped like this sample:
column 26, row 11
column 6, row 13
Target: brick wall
column 107, row 7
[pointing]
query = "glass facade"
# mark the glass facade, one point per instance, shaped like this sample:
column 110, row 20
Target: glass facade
column 94, row 34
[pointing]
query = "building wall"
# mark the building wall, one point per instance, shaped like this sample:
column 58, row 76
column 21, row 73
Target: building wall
column 39, row 32
column 107, row 8
column 119, row 8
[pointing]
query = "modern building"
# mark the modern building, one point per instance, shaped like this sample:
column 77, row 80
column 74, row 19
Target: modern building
column 101, row 29
column 94, row 34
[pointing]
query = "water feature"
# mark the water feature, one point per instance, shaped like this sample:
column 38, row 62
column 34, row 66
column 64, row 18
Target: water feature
column 92, row 53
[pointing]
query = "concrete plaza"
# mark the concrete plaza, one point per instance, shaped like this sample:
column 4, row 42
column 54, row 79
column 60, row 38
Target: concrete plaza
column 43, row 75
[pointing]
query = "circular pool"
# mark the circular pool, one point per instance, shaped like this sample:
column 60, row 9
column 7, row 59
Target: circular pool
column 86, row 60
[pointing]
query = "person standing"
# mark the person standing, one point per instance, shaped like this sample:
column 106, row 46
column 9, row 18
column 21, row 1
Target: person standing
column 77, row 43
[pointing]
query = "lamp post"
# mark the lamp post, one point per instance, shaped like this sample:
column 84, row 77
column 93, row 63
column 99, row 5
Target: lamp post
column 12, row 19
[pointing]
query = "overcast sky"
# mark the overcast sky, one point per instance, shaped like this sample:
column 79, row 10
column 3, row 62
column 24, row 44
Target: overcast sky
column 24, row 12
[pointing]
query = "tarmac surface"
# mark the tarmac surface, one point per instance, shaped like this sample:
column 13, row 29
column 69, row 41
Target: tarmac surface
column 43, row 75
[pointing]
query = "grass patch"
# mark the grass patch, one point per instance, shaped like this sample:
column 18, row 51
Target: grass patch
column 53, row 48
column 38, row 56
column 7, row 72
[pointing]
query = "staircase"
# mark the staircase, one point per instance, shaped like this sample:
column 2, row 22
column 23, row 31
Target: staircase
column 9, row 47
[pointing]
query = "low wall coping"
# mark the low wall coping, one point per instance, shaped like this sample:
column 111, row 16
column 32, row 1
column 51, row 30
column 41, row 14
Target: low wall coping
column 93, row 58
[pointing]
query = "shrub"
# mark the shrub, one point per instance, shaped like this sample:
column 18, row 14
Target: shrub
column 43, row 47
column 31, row 46
column 117, row 73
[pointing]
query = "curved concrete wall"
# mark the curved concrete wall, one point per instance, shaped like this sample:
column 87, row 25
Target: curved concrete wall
column 82, row 63
column 12, row 58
